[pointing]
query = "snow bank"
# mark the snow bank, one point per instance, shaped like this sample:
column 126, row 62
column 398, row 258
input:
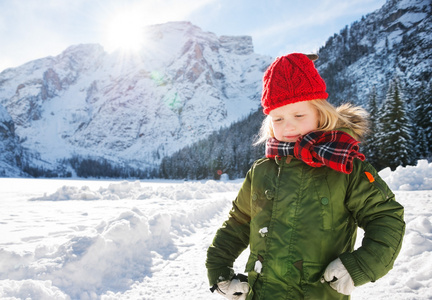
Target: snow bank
column 409, row 178
column 117, row 254
column 119, row 251
column 137, row 191
column 403, row 178
column 41, row 290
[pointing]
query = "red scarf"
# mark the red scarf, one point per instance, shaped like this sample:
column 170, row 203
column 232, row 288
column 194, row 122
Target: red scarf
column 334, row 149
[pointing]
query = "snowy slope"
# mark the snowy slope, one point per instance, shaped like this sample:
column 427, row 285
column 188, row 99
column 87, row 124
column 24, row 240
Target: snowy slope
column 11, row 152
column 148, row 240
column 134, row 107
column 395, row 40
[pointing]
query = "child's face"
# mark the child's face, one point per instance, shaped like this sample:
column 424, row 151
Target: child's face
column 293, row 120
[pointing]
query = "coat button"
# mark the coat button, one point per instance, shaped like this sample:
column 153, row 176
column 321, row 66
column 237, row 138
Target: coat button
column 269, row 194
column 254, row 196
column 324, row 201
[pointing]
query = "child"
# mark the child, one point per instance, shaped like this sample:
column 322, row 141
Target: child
column 299, row 208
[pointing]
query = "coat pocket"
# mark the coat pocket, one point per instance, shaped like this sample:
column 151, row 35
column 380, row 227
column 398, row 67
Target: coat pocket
column 252, row 275
column 313, row 287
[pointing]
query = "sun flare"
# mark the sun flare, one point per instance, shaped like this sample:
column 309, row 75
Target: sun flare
column 124, row 31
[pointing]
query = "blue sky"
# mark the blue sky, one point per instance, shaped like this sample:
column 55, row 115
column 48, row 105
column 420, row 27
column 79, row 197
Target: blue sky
column 32, row 29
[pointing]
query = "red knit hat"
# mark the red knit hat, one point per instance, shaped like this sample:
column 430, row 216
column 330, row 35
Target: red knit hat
column 290, row 79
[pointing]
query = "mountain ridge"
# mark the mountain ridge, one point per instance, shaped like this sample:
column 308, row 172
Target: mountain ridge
column 392, row 41
column 133, row 109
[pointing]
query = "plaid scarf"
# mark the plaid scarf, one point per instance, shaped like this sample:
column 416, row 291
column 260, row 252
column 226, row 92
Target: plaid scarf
column 334, row 149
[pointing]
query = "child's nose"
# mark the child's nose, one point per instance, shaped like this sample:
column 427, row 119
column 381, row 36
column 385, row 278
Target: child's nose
column 289, row 125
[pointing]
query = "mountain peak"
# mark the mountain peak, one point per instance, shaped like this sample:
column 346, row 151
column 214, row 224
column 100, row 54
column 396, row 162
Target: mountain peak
column 241, row 45
column 181, row 86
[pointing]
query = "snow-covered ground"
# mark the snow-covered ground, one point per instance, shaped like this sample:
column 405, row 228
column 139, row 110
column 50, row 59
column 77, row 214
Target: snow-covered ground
column 75, row 239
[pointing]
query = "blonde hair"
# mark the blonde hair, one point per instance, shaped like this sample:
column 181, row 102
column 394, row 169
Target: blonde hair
column 354, row 118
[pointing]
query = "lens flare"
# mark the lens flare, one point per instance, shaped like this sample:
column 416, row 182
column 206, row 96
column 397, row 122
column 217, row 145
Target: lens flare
column 125, row 31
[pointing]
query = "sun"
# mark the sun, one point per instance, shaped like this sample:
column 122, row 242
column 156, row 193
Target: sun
column 124, row 31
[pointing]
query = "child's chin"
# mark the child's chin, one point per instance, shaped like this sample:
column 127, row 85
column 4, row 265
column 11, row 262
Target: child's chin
column 289, row 139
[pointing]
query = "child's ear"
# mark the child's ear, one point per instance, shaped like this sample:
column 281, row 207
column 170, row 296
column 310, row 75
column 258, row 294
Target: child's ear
column 312, row 57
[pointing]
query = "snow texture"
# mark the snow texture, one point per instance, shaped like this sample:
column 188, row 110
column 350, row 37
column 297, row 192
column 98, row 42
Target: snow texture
column 75, row 239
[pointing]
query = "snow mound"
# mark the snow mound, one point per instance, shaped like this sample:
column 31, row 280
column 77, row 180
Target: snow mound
column 118, row 252
column 409, row 178
column 42, row 290
column 135, row 191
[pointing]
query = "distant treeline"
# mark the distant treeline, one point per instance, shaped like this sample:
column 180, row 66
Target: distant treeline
column 89, row 167
column 102, row 168
column 227, row 151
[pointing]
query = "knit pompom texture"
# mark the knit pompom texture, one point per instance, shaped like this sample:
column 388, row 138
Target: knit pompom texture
column 289, row 79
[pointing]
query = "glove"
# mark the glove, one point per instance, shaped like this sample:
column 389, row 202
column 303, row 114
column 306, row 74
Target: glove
column 339, row 278
column 234, row 289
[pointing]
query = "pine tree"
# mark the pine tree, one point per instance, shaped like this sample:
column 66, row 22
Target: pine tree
column 423, row 122
column 395, row 136
column 371, row 145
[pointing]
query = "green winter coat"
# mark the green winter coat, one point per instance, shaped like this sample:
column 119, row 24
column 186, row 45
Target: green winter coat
column 311, row 217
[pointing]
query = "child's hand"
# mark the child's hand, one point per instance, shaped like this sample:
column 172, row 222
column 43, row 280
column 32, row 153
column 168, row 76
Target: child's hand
column 339, row 278
column 233, row 289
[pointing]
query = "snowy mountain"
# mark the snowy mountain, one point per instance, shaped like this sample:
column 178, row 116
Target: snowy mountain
column 133, row 108
column 395, row 40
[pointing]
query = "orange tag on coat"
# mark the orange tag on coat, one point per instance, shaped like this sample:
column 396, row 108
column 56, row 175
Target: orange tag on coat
column 370, row 177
